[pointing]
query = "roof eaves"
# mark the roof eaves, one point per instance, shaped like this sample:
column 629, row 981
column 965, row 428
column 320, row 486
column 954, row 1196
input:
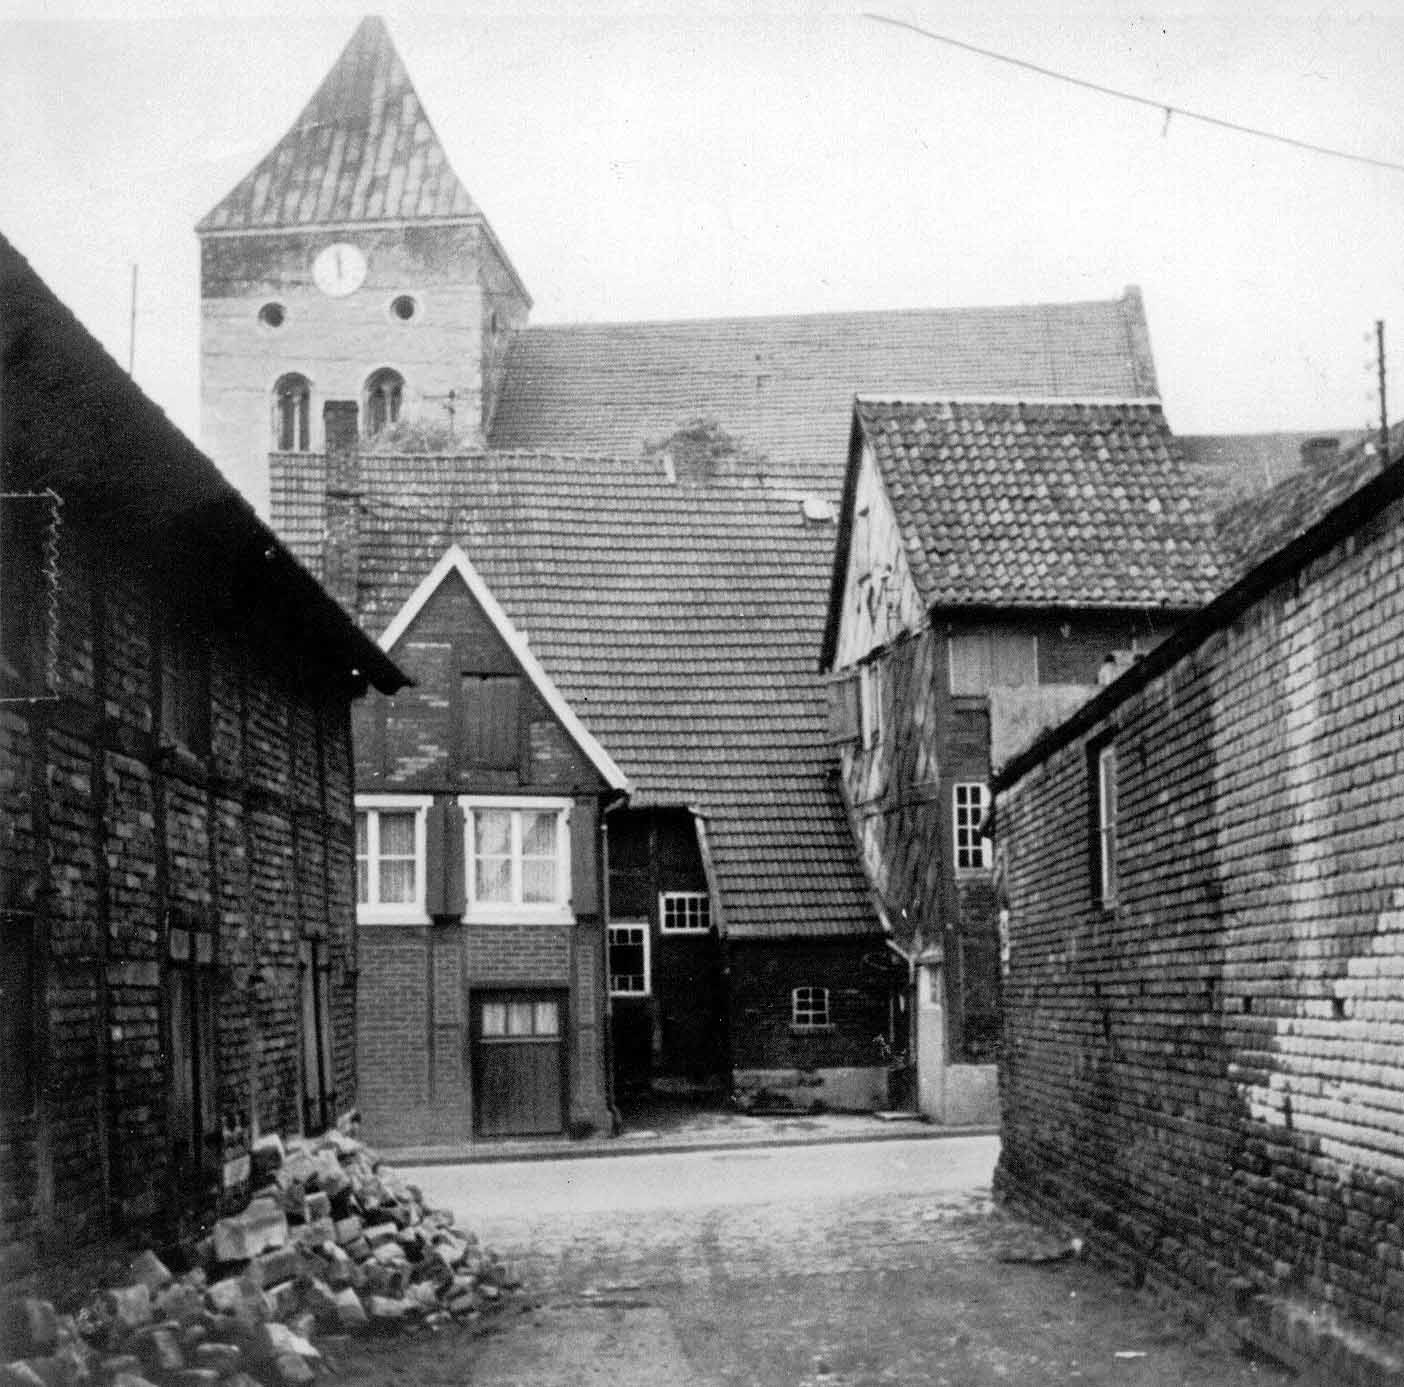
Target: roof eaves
column 1349, row 515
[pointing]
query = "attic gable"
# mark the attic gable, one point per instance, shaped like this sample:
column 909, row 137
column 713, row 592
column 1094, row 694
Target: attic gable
column 456, row 561
column 362, row 150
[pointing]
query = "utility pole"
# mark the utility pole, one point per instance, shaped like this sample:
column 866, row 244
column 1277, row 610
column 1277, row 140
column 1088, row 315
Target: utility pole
column 1384, row 407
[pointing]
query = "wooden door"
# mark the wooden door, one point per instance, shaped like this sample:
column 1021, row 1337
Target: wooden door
column 518, row 1063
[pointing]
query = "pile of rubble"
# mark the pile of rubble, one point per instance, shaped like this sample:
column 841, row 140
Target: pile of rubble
column 330, row 1244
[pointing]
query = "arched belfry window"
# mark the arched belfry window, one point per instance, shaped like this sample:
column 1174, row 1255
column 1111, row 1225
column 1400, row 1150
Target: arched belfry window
column 384, row 391
column 292, row 409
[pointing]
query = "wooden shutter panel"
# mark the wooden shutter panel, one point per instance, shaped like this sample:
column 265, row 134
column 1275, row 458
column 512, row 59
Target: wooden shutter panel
column 492, row 721
column 1013, row 660
column 972, row 663
column 436, row 860
column 455, row 868
column 584, row 862
column 843, row 707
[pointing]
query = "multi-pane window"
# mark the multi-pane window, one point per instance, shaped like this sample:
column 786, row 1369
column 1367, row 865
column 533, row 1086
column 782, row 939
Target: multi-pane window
column 979, row 660
column 390, row 866
column 518, row 858
column 1106, row 805
column 685, row 912
column 521, row 1020
column 384, row 393
column 628, row 958
column 292, row 410
column 809, row 1009
column 972, row 848
column 185, row 687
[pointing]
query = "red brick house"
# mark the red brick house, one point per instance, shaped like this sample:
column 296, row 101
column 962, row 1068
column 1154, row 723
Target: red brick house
column 1203, row 884
column 178, row 963
column 984, row 547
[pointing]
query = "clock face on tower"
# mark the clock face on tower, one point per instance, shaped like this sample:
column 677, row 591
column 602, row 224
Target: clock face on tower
column 339, row 269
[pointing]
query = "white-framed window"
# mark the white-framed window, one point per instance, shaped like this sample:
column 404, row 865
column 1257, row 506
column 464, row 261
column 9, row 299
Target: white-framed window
column 972, row 848
column 685, row 912
column 628, row 959
column 1106, row 804
column 809, row 1009
column 517, row 854
column 981, row 659
column 390, row 866
column 870, row 704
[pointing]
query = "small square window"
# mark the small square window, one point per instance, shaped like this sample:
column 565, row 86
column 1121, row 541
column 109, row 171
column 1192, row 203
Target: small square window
column 628, row 959
column 686, row 912
column 809, row 1009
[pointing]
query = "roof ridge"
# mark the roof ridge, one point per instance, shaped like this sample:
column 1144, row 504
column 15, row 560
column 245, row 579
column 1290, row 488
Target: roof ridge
column 825, row 314
column 1043, row 401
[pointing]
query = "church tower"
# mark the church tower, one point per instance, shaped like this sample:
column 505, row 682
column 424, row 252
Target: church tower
column 350, row 267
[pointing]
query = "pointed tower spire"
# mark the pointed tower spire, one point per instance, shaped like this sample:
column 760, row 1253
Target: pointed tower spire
column 362, row 150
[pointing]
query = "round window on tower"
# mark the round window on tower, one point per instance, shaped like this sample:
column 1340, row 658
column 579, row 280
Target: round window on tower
column 272, row 315
column 404, row 307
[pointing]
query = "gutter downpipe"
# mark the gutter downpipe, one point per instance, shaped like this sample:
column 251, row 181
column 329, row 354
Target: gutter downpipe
column 616, row 1118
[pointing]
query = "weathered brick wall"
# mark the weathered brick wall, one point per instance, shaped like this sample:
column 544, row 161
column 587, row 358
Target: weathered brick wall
column 1209, row 1072
column 107, row 841
column 763, row 976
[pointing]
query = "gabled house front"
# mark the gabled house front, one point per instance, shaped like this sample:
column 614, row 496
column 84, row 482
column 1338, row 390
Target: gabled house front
column 990, row 552
column 479, row 832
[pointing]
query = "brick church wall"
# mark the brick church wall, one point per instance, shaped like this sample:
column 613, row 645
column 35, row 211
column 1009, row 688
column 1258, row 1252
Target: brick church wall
column 1207, row 1074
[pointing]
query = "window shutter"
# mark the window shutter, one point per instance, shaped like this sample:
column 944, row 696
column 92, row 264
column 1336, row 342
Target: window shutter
column 584, row 878
column 435, row 859
column 971, row 664
column 453, row 867
column 492, row 721
column 843, row 707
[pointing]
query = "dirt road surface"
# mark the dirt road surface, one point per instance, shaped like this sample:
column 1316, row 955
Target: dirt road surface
column 819, row 1266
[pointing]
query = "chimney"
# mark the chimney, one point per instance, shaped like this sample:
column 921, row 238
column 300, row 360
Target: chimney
column 1320, row 452
column 341, row 542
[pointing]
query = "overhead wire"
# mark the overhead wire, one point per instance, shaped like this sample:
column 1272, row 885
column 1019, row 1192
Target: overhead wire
column 1167, row 108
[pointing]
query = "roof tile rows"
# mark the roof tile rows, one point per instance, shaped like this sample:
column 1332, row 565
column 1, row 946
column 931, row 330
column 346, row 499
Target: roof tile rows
column 1256, row 527
column 1035, row 504
column 681, row 624
column 784, row 386
column 362, row 150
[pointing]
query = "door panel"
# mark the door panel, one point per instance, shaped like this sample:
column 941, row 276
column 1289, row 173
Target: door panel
column 518, row 1064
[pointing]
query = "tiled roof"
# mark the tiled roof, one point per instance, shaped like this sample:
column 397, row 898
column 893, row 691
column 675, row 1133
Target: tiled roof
column 1036, row 504
column 76, row 423
column 362, row 150
column 1256, row 527
column 784, row 385
column 1241, row 464
column 680, row 622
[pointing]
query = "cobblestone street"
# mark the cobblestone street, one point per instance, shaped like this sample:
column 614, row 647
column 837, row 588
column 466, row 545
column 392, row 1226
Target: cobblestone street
column 833, row 1265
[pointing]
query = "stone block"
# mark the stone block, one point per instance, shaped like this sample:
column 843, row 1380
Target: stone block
column 151, row 1271
column 19, row 1374
column 380, row 1233
column 282, row 1264
column 223, row 1358
column 387, row 1309
column 348, row 1229
column 283, row 1300
column 261, row 1227
column 292, row 1370
column 128, row 1306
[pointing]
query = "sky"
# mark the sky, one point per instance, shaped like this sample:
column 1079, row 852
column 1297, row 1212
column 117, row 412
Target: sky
column 642, row 161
